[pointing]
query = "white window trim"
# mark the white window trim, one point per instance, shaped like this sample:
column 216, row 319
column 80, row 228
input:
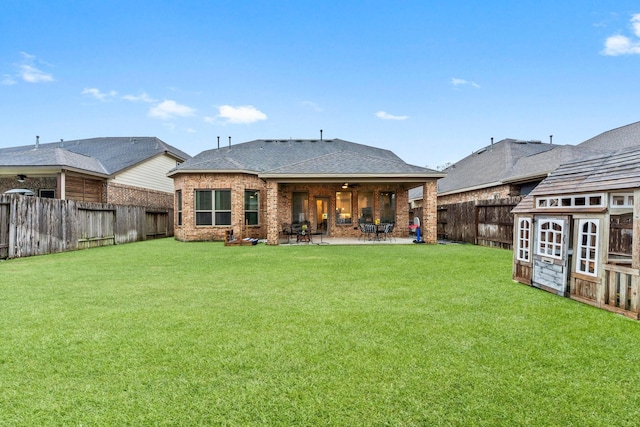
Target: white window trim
column 569, row 201
column 550, row 243
column 587, row 248
column 523, row 250
column 628, row 200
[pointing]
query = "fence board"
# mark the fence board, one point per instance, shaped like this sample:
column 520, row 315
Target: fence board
column 37, row 226
column 482, row 222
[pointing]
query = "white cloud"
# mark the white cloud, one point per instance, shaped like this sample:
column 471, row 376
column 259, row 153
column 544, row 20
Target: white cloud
column 623, row 45
column 8, row 80
column 97, row 94
column 243, row 114
column 28, row 72
column 386, row 116
column 143, row 97
column 31, row 74
column 462, row 82
column 168, row 109
column 635, row 23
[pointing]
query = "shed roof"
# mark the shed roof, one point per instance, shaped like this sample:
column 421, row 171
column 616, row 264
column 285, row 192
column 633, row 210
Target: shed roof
column 615, row 171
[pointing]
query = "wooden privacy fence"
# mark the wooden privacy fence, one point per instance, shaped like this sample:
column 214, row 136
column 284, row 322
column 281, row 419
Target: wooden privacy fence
column 482, row 222
column 37, row 226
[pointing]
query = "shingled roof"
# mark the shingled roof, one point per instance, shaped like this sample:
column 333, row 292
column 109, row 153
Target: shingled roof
column 496, row 164
column 613, row 171
column 108, row 155
column 303, row 157
column 614, row 139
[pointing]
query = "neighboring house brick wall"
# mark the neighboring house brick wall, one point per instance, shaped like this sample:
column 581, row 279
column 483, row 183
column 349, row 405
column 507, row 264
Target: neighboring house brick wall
column 497, row 192
column 127, row 195
column 33, row 184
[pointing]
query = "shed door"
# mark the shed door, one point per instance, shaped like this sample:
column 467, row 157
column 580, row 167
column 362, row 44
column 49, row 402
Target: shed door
column 551, row 254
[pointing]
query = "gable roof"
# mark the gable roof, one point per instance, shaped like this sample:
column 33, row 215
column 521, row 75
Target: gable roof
column 614, row 171
column 304, row 158
column 498, row 163
column 614, row 139
column 107, row 156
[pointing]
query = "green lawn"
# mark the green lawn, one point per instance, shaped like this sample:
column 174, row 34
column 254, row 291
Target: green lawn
column 171, row 333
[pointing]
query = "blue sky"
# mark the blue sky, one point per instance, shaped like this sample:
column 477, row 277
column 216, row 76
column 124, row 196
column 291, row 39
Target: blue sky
column 432, row 81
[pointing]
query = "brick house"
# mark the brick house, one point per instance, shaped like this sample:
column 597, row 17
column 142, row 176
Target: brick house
column 118, row 170
column 331, row 185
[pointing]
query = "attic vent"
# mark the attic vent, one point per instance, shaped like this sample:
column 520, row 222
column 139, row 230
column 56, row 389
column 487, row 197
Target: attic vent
column 482, row 150
column 313, row 140
column 268, row 140
column 299, row 140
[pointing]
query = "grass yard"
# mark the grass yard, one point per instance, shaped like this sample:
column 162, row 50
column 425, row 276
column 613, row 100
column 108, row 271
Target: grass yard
column 170, row 333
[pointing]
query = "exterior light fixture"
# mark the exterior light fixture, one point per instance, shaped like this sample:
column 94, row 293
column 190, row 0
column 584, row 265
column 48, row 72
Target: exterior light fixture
column 22, row 178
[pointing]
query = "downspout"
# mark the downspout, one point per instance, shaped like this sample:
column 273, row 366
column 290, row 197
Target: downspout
column 63, row 185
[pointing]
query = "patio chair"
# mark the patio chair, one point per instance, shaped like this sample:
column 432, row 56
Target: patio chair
column 286, row 230
column 370, row 231
column 388, row 230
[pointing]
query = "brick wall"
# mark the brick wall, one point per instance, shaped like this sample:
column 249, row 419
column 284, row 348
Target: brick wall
column 276, row 206
column 126, row 195
column 497, row 192
column 33, row 184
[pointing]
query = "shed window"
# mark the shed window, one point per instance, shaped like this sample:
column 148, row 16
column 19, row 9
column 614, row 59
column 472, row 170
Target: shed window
column 524, row 240
column 587, row 247
column 251, row 206
column 550, row 238
column 213, row 207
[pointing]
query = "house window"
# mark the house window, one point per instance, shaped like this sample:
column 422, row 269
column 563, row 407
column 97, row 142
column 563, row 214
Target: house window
column 251, row 207
column 387, row 207
column 587, row 247
column 343, row 207
column 365, row 205
column 213, row 207
column 179, row 206
column 299, row 208
column 550, row 238
column 47, row 194
column 524, row 240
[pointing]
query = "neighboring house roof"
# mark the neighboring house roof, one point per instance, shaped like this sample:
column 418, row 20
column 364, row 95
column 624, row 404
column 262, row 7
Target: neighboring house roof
column 304, row 159
column 614, row 139
column 51, row 157
column 613, row 171
column 493, row 165
column 105, row 156
column 619, row 170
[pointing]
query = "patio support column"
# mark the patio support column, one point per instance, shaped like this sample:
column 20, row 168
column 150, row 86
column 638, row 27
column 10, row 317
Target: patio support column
column 272, row 216
column 429, row 221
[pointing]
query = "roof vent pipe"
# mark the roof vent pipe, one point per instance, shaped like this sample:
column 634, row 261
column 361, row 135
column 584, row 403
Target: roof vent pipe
column 550, row 139
column 491, row 140
column 320, row 134
column 61, row 143
column 218, row 143
column 37, row 142
column 229, row 142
